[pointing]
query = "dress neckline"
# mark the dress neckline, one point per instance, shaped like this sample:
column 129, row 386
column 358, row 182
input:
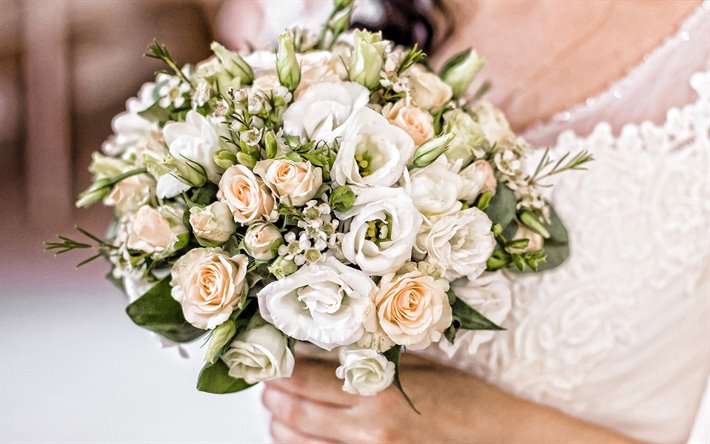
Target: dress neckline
column 617, row 88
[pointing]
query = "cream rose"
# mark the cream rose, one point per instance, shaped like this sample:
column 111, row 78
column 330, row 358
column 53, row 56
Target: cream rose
column 259, row 354
column 461, row 243
column 323, row 303
column 209, row 284
column 316, row 67
column 413, row 309
column 490, row 295
column 373, row 152
column 262, row 241
column 426, row 89
column 470, row 139
column 323, row 110
column 157, row 231
column 129, row 194
column 246, row 195
column 383, row 230
column 266, row 82
column 434, row 189
column 478, row 178
column 295, row 183
column 213, row 223
column 364, row 372
column 414, row 121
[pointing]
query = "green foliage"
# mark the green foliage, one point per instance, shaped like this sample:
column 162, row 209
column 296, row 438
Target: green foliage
column 158, row 312
column 393, row 356
column 342, row 198
column 214, row 378
column 501, row 208
column 556, row 247
column 467, row 318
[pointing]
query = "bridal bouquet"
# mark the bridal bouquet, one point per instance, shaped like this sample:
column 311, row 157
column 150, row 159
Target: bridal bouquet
column 334, row 191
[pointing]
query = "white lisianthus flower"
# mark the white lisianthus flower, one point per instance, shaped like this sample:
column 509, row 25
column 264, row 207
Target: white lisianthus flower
column 435, row 189
column 490, row 295
column 461, row 243
column 194, row 140
column 323, row 110
column 209, row 284
column 262, row 241
column 157, row 231
column 413, row 308
column 383, row 230
column 373, row 152
column 129, row 127
column 323, row 303
column 426, row 89
column 246, row 195
column 213, row 223
column 131, row 193
column 261, row 62
column 364, row 372
column 259, row 354
column 295, row 183
column 478, row 178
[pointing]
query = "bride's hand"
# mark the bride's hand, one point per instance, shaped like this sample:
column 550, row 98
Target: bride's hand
column 455, row 407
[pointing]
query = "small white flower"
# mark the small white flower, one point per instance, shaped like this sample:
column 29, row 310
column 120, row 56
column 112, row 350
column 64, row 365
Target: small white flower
column 172, row 92
column 364, row 371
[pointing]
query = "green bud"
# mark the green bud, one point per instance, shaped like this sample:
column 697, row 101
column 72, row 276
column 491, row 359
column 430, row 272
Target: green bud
column 499, row 259
column 97, row 191
column 104, row 166
column 340, row 21
column 218, row 339
column 484, row 199
column 367, row 58
column 533, row 223
column 460, row 70
column 342, row 198
column 281, row 267
column 430, row 150
column 287, row 66
column 246, row 159
column 233, row 63
column 342, row 4
column 270, row 144
column 224, row 158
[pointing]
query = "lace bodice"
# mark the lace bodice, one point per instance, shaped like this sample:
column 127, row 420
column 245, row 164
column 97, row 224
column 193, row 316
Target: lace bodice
column 619, row 335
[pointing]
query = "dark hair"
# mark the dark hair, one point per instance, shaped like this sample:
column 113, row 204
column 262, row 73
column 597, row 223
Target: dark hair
column 407, row 22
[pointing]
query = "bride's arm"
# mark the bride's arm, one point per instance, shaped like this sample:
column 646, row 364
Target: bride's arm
column 455, row 407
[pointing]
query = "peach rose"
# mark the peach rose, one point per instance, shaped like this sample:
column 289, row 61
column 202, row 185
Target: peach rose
column 413, row 309
column 157, row 231
column 293, row 182
column 426, row 89
column 209, row 285
column 478, row 178
column 266, row 82
column 316, row 67
column 129, row 194
column 415, row 122
column 246, row 195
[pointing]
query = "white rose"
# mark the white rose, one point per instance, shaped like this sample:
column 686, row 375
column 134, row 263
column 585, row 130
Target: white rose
column 246, row 195
column 316, row 67
column 494, row 125
column 323, row 303
column 461, row 243
column 262, row 241
column 413, row 309
column 209, row 284
column 469, row 140
column 323, row 110
column 259, row 354
column 427, row 90
column 478, row 178
column 382, row 231
column 295, row 183
column 213, row 223
column 194, row 140
column 365, row 372
column 490, row 295
column 373, row 152
column 157, row 231
column 417, row 123
column 435, row 189
column 129, row 194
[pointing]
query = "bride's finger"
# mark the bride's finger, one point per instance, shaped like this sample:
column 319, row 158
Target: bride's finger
column 314, row 379
column 284, row 434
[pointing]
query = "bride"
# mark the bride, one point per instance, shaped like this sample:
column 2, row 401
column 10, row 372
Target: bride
column 614, row 346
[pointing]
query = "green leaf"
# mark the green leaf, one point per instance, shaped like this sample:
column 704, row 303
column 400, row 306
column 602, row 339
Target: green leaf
column 393, row 355
column 214, row 378
column 501, row 208
column 158, row 312
column 156, row 113
column 556, row 248
column 467, row 318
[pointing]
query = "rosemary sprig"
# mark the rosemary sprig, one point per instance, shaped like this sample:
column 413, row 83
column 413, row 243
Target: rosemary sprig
column 413, row 56
column 545, row 171
column 66, row 244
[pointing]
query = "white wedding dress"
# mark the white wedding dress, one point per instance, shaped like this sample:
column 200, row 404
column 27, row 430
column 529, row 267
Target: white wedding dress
column 619, row 335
